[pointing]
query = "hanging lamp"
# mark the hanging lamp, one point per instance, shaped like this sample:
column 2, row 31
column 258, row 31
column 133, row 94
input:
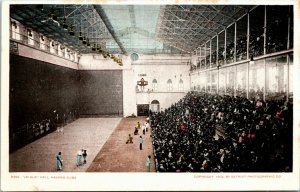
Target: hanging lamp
column 71, row 31
column 65, row 25
column 80, row 36
column 88, row 43
column 84, row 40
column 94, row 47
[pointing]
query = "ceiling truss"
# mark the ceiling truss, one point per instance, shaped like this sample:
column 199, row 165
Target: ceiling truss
column 183, row 27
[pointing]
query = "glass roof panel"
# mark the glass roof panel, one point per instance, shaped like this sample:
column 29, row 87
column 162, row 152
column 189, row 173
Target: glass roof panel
column 118, row 16
column 135, row 26
column 146, row 16
column 136, row 42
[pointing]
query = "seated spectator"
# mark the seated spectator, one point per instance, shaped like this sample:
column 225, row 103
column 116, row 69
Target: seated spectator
column 130, row 139
column 136, row 131
column 252, row 135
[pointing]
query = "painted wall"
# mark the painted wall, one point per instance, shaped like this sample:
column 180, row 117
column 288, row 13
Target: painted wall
column 101, row 92
column 46, row 87
column 26, row 51
column 98, row 62
column 159, row 67
column 38, row 91
column 166, row 99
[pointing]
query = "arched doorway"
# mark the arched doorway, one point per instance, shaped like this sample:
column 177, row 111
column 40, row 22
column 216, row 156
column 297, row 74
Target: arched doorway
column 154, row 106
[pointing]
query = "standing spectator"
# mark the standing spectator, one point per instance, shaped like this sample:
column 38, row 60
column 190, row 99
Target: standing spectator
column 59, row 161
column 138, row 125
column 147, row 126
column 84, row 155
column 144, row 129
column 78, row 158
column 141, row 142
column 148, row 162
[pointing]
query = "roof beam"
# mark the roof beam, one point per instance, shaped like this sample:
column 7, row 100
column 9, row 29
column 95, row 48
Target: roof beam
column 160, row 18
column 110, row 28
column 221, row 13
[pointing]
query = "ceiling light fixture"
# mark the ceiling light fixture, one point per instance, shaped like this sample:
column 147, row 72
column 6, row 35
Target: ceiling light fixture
column 51, row 15
column 71, row 31
column 98, row 47
column 88, row 43
column 80, row 36
column 105, row 55
column 65, row 25
column 94, row 47
column 84, row 40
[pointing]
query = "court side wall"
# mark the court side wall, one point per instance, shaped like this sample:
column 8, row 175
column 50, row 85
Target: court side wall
column 39, row 90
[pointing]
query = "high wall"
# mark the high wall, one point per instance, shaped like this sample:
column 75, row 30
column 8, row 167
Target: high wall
column 150, row 67
column 100, row 92
column 46, row 87
column 101, row 82
column 38, row 91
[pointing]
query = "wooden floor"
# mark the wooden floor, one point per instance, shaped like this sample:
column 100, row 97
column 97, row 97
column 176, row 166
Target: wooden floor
column 103, row 138
column 117, row 156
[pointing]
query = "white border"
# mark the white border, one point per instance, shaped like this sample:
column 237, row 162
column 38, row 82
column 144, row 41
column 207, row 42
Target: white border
column 142, row 181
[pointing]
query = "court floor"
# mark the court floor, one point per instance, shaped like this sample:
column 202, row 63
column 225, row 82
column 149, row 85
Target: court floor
column 117, row 156
column 103, row 138
column 84, row 133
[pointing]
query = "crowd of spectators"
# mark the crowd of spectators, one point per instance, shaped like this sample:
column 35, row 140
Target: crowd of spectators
column 212, row 133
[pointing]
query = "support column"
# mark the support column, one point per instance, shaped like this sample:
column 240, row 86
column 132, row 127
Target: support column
column 247, row 89
column 205, row 55
column 248, row 63
column 289, row 29
column 217, row 51
column 288, row 77
column 235, row 79
column 217, row 62
column 265, row 32
column 235, row 41
column 225, row 44
column 265, row 52
column 248, row 34
column 288, row 56
column 200, row 58
column 205, row 82
column 210, row 54
column 226, row 70
column 265, row 69
column 196, row 60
